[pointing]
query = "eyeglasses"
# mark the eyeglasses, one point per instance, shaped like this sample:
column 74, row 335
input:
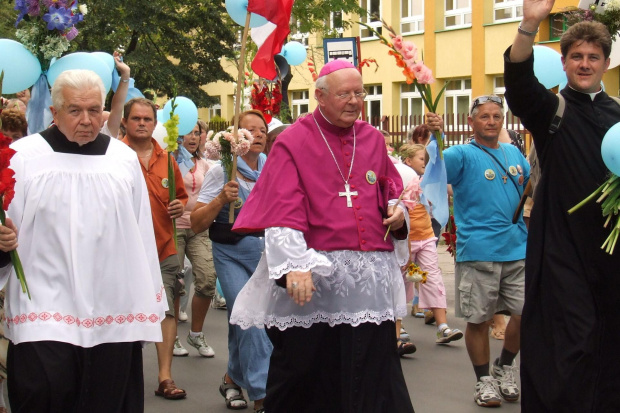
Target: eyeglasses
column 484, row 99
column 347, row 96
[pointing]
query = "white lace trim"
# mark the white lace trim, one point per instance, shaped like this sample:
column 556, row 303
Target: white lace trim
column 362, row 286
column 287, row 251
column 247, row 319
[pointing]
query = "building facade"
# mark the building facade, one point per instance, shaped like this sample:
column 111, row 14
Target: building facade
column 462, row 41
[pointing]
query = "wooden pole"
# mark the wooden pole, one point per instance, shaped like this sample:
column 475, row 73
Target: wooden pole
column 240, row 67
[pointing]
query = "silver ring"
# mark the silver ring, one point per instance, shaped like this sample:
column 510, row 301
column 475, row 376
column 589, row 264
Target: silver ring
column 294, row 284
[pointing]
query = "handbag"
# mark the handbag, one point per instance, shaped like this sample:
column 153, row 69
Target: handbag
column 222, row 233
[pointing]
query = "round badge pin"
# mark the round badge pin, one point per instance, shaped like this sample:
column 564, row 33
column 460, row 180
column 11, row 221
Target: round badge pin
column 519, row 168
column 489, row 174
column 521, row 179
column 238, row 203
column 513, row 171
column 164, row 182
column 371, row 177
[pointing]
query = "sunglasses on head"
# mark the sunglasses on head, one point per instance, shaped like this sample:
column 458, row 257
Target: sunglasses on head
column 484, row 99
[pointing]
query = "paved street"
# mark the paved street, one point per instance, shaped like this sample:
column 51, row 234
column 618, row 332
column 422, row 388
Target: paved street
column 440, row 378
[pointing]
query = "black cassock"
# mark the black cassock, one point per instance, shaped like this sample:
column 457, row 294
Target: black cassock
column 570, row 329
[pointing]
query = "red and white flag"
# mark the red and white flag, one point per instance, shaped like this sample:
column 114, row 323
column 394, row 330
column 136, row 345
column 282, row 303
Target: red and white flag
column 271, row 36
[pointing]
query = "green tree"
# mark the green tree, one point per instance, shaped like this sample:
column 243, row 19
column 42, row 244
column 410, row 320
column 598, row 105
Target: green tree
column 7, row 19
column 167, row 43
column 313, row 15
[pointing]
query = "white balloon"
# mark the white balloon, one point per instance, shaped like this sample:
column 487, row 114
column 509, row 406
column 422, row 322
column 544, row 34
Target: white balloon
column 159, row 134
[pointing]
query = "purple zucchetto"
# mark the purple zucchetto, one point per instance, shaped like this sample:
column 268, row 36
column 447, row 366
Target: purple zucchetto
column 335, row 65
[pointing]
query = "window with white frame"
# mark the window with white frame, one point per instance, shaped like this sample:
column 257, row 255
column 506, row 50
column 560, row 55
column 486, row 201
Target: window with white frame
column 371, row 18
column 458, row 14
column 300, row 103
column 335, row 23
column 457, row 98
column 296, row 34
column 411, row 104
column 373, row 102
column 412, row 16
column 215, row 110
column 507, row 10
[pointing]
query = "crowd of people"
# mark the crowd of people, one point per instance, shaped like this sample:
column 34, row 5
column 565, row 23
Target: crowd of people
column 315, row 289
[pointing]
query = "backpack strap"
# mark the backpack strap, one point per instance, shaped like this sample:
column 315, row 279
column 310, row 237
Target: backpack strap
column 557, row 118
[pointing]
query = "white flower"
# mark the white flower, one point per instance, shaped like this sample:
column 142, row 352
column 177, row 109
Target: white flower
column 83, row 9
column 612, row 5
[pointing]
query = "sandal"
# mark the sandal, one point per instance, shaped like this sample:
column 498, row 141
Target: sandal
column 497, row 334
column 405, row 348
column 167, row 389
column 224, row 387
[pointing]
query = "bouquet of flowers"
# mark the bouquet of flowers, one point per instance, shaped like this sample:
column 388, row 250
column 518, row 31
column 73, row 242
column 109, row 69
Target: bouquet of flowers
column 415, row 274
column 224, row 145
column 610, row 203
column 450, row 236
column 608, row 14
column 7, row 191
column 266, row 100
column 415, row 71
column 48, row 26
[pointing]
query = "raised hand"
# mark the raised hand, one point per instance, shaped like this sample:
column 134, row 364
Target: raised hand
column 534, row 12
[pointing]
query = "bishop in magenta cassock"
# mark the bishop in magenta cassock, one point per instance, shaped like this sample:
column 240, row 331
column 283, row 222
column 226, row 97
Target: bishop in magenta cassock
column 328, row 287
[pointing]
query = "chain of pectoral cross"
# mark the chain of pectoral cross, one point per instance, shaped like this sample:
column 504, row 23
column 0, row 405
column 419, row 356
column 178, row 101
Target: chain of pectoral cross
column 347, row 188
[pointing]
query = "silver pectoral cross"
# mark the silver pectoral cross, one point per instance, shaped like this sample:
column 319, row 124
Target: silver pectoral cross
column 347, row 192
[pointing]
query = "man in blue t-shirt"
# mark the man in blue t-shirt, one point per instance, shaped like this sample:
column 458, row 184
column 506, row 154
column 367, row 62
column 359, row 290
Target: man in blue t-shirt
column 488, row 178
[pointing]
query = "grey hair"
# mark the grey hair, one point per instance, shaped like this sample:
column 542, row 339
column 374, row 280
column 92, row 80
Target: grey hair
column 321, row 83
column 473, row 112
column 76, row 79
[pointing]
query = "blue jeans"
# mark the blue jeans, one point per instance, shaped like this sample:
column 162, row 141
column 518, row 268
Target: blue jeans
column 248, row 350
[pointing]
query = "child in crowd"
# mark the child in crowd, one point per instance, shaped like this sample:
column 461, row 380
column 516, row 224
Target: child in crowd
column 432, row 294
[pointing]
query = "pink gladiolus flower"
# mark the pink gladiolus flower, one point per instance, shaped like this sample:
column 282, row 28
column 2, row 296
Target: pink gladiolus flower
column 423, row 74
column 409, row 51
column 397, row 42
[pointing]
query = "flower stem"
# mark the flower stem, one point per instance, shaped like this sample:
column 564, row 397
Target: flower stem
column 588, row 199
column 17, row 264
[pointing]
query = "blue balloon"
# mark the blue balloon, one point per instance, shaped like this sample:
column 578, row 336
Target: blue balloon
column 294, row 53
column 133, row 93
column 81, row 60
column 160, row 116
column 548, row 66
column 107, row 58
column 21, row 68
column 238, row 10
column 610, row 149
column 187, row 111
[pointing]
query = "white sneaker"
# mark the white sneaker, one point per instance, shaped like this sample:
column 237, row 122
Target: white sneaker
column 179, row 350
column 182, row 316
column 505, row 376
column 486, row 394
column 218, row 302
column 201, row 345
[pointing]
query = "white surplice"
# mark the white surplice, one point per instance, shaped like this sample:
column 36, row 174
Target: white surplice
column 88, row 249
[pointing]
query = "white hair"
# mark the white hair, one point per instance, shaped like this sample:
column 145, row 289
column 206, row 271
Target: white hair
column 76, row 79
column 321, row 83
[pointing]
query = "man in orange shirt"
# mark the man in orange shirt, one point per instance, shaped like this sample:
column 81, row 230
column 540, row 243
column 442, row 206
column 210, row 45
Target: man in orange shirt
column 139, row 120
